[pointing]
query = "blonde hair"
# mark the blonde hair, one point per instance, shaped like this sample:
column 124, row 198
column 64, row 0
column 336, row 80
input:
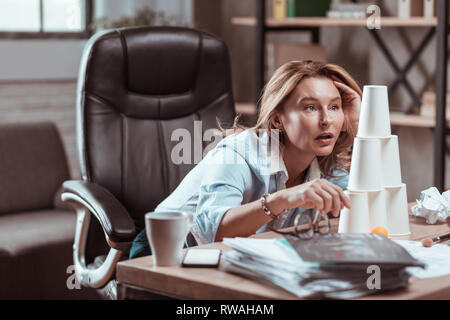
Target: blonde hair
column 282, row 84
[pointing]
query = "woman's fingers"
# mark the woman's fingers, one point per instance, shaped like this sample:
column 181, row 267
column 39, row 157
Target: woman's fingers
column 313, row 201
column 345, row 88
column 350, row 98
column 322, row 195
column 339, row 198
column 336, row 204
column 327, row 198
column 332, row 201
column 344, row 198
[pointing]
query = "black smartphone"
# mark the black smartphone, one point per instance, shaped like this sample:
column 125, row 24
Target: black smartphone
column 201, row 258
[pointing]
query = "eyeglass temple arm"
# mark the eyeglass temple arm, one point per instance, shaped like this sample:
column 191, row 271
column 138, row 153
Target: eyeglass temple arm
column 317, row 214
column 302, row 227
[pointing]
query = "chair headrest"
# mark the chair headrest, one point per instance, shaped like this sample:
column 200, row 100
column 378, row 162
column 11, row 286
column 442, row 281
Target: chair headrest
column 155, row 72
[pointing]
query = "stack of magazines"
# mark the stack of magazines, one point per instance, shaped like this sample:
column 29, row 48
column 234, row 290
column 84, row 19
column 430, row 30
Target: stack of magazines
column 335, row 266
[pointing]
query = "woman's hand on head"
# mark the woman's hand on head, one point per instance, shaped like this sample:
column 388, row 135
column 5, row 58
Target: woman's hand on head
column 351, row 101
column 319, row 194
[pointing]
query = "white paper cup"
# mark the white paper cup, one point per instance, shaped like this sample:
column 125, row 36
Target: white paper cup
column 166, row 234
column 397, row 211
column 377, row 209
column 356, row 219
column 365, row 168
column 374, row 121
column 390, row 158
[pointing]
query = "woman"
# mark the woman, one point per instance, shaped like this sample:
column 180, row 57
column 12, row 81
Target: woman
column 296, row 159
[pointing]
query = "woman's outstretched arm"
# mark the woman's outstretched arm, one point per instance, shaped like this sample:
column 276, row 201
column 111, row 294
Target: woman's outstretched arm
column 245, row 220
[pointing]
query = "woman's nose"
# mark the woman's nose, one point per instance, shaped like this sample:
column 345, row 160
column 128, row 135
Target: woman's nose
column 325, row 119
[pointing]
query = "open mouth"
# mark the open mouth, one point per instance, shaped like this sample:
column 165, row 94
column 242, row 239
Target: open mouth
column 326, row 136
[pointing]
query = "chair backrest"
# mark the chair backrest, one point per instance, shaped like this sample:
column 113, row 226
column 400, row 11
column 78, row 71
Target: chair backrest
column 136, row 87
column 33, row 166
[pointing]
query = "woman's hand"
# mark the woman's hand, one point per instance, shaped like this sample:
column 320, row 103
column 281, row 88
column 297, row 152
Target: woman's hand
column 319, row 194
column 351, row 101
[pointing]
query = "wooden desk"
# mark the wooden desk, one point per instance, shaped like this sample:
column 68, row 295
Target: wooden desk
column 138, row 278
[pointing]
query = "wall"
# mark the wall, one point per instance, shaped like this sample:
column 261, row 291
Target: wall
column 24, row 60
column 43, row 101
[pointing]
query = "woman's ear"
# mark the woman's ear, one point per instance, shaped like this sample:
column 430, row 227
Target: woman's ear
column 276, row 121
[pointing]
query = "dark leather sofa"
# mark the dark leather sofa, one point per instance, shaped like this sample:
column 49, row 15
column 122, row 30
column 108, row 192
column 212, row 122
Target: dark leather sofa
column 36, row 228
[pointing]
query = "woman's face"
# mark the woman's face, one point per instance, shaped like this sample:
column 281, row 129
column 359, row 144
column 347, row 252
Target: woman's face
column 312, row 117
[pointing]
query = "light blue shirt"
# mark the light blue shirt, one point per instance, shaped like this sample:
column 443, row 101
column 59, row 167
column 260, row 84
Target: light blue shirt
column 238, row 170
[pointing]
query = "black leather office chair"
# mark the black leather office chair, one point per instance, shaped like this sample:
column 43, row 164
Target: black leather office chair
column 135, row 87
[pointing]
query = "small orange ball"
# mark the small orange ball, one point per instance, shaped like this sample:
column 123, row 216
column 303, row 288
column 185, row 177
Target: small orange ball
column 380, row 230
column 427, row 242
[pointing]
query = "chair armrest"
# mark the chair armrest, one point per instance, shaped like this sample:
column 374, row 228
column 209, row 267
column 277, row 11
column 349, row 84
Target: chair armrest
column 89, row 198
column 112, row 215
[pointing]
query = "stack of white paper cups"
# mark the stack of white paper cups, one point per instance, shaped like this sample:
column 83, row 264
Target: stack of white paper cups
column 375, row 187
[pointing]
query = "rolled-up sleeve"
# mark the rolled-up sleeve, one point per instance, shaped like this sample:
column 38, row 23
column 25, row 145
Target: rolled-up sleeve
column 222, row 188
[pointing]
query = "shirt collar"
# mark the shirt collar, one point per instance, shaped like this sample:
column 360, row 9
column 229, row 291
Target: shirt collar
column 313, row 172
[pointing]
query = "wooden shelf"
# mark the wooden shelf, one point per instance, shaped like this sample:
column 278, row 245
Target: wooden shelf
column 336, row 22
column 413, row 120
column 397, row 119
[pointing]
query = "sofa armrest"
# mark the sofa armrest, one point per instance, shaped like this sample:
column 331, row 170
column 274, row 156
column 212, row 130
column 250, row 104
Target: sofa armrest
column 112, row 215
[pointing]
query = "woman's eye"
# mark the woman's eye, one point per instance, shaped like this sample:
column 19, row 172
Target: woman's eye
column 334, row 107
column 310, row 108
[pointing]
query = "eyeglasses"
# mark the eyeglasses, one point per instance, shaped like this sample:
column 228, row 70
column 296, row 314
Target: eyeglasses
column 306, row 231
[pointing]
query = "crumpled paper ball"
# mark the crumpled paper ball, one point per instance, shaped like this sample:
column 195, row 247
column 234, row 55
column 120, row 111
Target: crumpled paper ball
column 432, row 205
